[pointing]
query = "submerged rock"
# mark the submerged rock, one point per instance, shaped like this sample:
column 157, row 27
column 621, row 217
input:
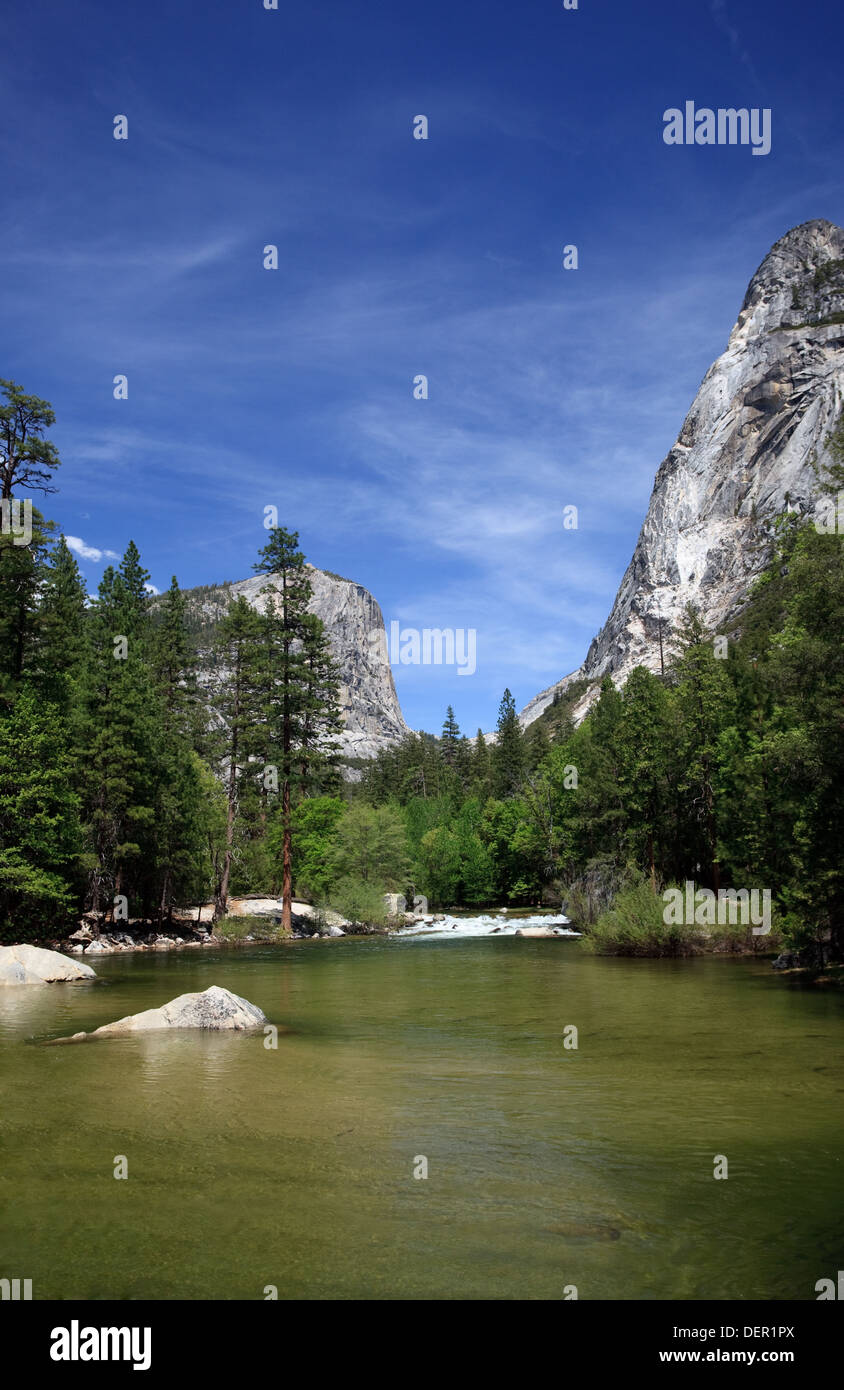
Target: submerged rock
column 214, row 1009
column 31, row 965
column 534, row 931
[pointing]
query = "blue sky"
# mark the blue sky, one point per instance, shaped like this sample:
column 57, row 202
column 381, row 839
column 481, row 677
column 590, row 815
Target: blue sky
column 250, row 387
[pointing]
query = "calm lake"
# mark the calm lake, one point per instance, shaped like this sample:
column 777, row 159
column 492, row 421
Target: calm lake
column 547, row 1166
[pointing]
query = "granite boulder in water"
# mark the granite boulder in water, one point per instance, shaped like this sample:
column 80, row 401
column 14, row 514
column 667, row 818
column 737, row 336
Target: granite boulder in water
column 31, row 965
column 215, row 1009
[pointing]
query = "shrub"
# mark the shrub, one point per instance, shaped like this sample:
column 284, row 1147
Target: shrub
column 359, row 901
column 738, row 939
column 634, row 926
column 236, row 928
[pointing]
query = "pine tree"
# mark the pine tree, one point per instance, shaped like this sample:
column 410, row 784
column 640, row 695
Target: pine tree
column 704, row 696
column 39, row 825
column 27, row 459
column 536, row 745
column 178, row 780
column 285, row 609
column 300, row 696
column 647, row 767
column 481, row 767
column 174, row 663
column 598, row 810
column 449, row 739
column 463, row 763
column 120, row 736
column 236, row 703
column 21, row 576
column 508, row 754
column 60, row 638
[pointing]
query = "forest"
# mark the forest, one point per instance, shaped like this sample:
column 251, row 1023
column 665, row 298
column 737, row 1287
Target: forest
column 150, row 760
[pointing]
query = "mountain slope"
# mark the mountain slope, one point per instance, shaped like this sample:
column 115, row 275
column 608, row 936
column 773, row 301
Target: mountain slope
column 743, row 456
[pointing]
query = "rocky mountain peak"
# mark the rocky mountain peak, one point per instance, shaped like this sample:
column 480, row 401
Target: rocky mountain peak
column 796, row 280
column 744, row 455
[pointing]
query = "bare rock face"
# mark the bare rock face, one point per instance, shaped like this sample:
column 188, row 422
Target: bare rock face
column 30, row 965
column 743, row 457
column 215, row 1009
column 369, row 705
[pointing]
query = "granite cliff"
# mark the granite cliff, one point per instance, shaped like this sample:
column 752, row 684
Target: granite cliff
column 369, row 705
column 744, row 455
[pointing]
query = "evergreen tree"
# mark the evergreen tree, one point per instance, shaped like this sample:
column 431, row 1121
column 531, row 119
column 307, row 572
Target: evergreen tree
column 27, row 459
column 179, row 784
column 508, row 754
column 236, row 704
column 174, row 663
column 300, row 694
column 596, row 754
column 120, row 735
column 481, row 767
column 803, row 741
column 39, row 819
column 704, row 696
column 536, row 745
column 449, row 739
column 647, row 768
column 60, row 648
column 463, row 763
column 22, row 570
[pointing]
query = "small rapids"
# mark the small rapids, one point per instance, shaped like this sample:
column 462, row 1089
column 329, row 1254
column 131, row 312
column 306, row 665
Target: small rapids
column 486, row 925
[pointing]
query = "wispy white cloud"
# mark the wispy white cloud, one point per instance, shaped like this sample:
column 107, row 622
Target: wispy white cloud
column 90, row 552
column 718, row 9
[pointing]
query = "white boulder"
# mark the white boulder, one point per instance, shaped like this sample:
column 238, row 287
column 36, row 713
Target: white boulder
column 31, row 965
column 215, row 1009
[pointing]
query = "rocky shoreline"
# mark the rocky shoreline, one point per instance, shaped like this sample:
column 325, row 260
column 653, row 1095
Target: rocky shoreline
column 96, row 937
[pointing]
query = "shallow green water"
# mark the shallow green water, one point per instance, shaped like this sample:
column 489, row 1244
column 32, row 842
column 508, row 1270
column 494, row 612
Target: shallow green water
column 547, row 1167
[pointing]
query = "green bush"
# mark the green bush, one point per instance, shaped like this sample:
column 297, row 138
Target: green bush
column 634, row 926
column 359, row 901
column 236, row 928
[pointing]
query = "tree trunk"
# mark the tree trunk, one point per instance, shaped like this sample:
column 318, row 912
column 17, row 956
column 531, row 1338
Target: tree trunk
column 286, row 871
column 118, row 884
column 165, row 888
column 221, row 897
